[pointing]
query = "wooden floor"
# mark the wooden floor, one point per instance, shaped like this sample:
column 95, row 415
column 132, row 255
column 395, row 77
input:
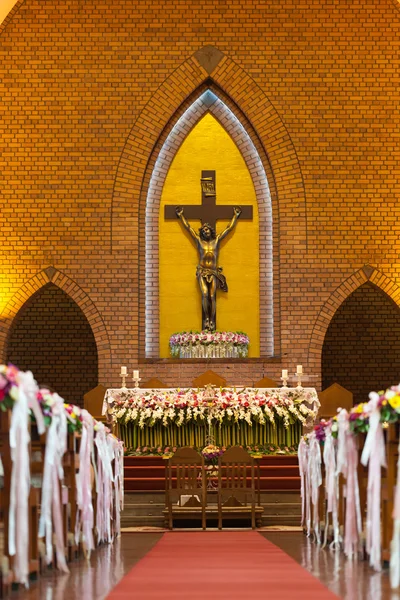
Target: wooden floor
column 94, row 579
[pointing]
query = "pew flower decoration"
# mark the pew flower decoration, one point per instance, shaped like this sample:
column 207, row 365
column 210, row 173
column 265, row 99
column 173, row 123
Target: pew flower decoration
column 207, row 344
column 229, row 406
column 8, row 386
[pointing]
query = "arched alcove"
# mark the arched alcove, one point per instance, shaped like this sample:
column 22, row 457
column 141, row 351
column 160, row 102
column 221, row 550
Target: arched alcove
column 51, row 337
column 360, row 350
column 208, row 102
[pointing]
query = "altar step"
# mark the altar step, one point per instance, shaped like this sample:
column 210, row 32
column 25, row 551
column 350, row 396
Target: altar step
column 145, row 509
column 147, row 473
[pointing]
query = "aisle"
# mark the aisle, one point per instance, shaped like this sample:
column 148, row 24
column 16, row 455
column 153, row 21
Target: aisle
column 223, row 565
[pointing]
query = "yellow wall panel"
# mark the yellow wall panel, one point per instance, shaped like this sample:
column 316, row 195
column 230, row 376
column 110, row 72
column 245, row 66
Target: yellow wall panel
column 209, row 146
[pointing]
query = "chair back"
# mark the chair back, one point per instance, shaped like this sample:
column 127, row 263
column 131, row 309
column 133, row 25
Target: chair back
column 233, row 473
column 93, row 402
column 154, row 383
column 265, row 382
column 186, row 473
column 207, row 378
column 332, row 398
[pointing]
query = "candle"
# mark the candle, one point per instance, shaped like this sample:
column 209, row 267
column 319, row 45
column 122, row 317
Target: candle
column 135, row 374
column 124, row 371
column 299, row 370
column 284, row 373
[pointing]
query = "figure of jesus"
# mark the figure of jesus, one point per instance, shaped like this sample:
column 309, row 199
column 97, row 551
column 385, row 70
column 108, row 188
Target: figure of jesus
column 208, row 273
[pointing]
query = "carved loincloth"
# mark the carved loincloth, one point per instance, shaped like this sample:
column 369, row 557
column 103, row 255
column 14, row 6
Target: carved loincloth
column 208, row 274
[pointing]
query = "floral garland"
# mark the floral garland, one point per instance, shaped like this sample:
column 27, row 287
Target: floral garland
column 388, row 403
column 9, row 394
column 229, row 406
column 225, row 341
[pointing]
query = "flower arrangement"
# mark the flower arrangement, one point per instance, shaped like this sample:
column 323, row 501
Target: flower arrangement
column 209, row 344
column 211, row 454
column 388, row 403
column 179, row 407
column 8, row 386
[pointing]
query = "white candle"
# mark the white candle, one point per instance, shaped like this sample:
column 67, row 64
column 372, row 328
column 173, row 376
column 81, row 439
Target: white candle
column 284, row 373
column 299, row 370
column 124, row 371
column 135, row 374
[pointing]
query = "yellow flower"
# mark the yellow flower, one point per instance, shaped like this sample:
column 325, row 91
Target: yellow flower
column 395, row 402
column 358, row 409
column 73, row 415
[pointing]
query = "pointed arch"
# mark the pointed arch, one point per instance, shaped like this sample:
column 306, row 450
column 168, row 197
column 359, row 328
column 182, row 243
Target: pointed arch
column 269, row 135
column 76, row 293
column 208, row 102
column 345, row 289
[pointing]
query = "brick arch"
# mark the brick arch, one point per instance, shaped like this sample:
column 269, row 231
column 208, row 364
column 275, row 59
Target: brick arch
column 76, row 293
column 156, row 119
column 345, row 289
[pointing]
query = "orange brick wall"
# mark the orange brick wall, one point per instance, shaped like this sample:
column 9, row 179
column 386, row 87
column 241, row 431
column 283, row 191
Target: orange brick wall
column 361, row 349
column 88, row 89
column 51, row 337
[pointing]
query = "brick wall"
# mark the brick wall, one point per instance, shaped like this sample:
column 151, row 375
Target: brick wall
column 51, row 337
column 89, row 88
column 361, row 348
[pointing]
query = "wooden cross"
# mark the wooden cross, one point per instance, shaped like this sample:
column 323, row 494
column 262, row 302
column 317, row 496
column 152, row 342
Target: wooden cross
column 208, row 211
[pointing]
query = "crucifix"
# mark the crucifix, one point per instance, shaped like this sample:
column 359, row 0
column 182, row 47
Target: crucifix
column 208, row 273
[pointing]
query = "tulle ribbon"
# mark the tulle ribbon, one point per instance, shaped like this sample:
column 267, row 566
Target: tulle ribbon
column 347, row 461
column 395, row 543
column 85, row 513
column 104, row 482
column 305, row 488
column 332, row 488
column 314, row 477
column 53, row 474
column 374, row 456
column 18, row 527
column 118, row 481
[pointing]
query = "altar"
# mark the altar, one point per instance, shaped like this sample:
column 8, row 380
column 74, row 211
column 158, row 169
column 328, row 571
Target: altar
column 163, row 419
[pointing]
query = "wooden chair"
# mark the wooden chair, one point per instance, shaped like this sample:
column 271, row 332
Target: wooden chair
column 233, row 468
column 154, row 383
column 265, row 382
column 334, row 397
column 207, row 378
column 186, row 477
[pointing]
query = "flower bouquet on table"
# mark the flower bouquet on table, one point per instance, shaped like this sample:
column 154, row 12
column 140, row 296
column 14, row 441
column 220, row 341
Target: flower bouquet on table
column 211, row 454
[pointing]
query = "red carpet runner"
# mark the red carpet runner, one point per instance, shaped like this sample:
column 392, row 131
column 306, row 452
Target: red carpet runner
column 220, row 565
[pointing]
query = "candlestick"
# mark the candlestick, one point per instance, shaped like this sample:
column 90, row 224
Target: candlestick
column 284, row 377
column 124, row 371
column 123, row 377
column 136, row 378
column 299, row 370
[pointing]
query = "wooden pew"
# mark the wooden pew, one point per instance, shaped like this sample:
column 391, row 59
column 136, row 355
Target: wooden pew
column 6, row 574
